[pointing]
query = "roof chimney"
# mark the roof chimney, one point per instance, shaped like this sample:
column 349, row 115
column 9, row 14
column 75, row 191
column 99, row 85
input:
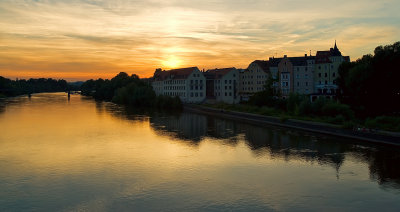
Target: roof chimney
column 285, row 56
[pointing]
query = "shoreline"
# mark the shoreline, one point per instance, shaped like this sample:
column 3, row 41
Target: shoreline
column 316, row 127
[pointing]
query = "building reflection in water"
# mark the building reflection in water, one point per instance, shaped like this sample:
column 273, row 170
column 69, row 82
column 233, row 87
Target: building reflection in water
column 279, row 143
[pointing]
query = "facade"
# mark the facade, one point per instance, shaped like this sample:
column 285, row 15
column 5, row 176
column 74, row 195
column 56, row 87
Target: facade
column 223, row 85
column 308, row 75
column 296, row 75
column 326, row 72
column 189, row 84
column 253, row 79
column 285, row 73
column 303, row 74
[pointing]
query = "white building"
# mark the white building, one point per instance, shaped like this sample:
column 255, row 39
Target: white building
column 187, row 83
column 254, row 78
column 223, row 85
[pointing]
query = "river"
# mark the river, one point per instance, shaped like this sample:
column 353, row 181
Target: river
column 69, row 155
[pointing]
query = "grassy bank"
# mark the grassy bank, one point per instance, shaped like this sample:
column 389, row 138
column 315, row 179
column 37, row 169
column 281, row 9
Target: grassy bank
column 347, row 122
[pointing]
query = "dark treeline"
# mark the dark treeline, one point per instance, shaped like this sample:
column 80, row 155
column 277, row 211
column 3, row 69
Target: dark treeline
column 370, row 94
column 128, row 90
column 371, row 84
column 18, row 87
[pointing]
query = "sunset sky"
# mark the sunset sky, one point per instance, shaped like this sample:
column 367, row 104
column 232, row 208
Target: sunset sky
column 82, row 39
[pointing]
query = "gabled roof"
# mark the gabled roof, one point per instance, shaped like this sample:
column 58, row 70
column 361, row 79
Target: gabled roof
column 322, row 57
column 263, row 64
column 298, row 61
column 181, row 73
column 217, row 73
column 274, row 61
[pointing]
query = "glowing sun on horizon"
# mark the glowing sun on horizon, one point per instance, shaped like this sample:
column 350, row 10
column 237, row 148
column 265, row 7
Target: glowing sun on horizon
column 171, row 62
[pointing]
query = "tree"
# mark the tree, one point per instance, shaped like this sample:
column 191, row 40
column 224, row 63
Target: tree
column 370, row 84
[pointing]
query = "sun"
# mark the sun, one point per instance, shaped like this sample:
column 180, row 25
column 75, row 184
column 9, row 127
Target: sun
column 171, row 62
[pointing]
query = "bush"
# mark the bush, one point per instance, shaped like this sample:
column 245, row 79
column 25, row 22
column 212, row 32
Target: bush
column 305, row 108
column 333, row 109
column 384, row 123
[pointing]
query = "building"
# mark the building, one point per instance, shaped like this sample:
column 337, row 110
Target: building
column 253, row 79
column 303, row 74
column 222, row 85
column 296, row 75
column 326, row 72
column 189, row 84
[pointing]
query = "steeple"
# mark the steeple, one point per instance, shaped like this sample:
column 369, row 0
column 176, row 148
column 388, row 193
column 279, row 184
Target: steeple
column 335, row 51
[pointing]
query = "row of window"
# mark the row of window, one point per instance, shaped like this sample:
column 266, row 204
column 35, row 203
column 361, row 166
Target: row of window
column 306, row 83
column 196, row 94
column 285, row 84
column 248, row 88
column 175, row 94
column 196, row 81
column 226, row 87
column 326, row 82
column 196, row 75
column 196, row 87
column 298, row 76
column 326, row 74
column 326, row 67
column 174, row 87
column 175, row 82
column 226, row 94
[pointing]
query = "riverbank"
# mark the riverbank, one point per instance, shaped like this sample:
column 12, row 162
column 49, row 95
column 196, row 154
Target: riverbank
column 380, row 137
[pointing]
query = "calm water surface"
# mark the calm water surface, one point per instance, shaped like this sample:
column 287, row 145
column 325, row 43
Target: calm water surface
column 60, row 155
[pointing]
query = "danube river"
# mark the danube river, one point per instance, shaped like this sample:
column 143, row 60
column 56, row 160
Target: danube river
column 60, row 155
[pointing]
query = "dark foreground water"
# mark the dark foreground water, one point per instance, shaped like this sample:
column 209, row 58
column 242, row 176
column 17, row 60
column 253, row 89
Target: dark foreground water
column 60, row 155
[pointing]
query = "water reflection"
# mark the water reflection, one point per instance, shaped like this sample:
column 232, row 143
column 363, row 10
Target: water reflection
column 275, row 142
column 60, row 155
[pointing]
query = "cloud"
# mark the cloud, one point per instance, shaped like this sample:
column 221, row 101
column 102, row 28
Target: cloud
column 89, row 36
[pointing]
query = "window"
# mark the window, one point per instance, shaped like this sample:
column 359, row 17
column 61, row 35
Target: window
column 298, row 83
column 319, row 74
column 326, row 82
column 326, row 74
column 334, row 74
column 306, row 83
